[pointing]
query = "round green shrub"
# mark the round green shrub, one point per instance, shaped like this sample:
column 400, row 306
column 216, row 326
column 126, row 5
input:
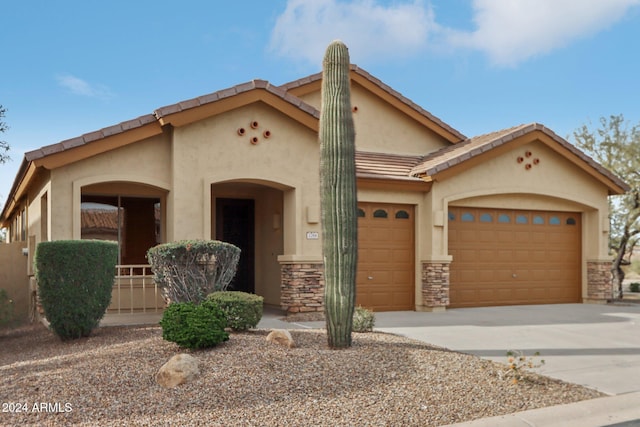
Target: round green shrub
column 634, row 287
column 189, row 270
column 75, row 280
column 194, row 326
column 363, row 320
column 243, row 310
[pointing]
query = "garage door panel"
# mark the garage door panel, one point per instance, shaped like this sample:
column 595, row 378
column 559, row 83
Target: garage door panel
column 504, row 236
column 538, row 256
column 402, row 256
column 386, row 258
column 485, row 235
column 467, row 235
column 522, row 237
column 539, row 237
column 486, row 255
column 466, row 255
column 378, row 255
column 402, row 234
column 544, row 258
column 376, row 234
column 521, row 255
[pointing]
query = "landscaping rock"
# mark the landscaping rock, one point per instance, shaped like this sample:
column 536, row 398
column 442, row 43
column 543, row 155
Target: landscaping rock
column 282, row 337
column 181, row 368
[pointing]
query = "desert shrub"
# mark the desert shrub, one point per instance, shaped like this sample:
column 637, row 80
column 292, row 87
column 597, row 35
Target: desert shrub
column 189, row 270
column 6, row 308
column 519, row 366
column 194, row 326
column 363, row 320
column 243, row 310
column 75, row 279
column 634, row 287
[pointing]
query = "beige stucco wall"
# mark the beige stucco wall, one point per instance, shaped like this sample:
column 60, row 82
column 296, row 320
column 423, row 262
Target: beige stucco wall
column 146, row 162
column 382, row 128
column 211, row 151
column 553, row 184
column 13, row 278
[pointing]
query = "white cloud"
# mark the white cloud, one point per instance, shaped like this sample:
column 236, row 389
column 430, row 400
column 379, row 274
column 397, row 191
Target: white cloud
column 369, row 29
column 509, row 32
column 512, row 31
column 81, row 87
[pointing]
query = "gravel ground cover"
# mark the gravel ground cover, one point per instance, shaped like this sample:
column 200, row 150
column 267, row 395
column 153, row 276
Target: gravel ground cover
column 108, row 379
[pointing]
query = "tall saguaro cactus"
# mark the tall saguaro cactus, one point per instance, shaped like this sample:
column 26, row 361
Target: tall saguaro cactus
column 338, row 196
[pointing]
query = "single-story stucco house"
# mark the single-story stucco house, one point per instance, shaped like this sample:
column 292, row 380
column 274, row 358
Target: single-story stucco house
column 517, row 216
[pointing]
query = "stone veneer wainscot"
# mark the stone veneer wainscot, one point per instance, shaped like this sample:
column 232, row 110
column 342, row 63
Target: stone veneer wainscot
column 302, row 288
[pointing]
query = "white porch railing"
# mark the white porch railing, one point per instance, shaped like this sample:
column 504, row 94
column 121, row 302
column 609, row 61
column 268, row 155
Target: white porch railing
column 134, row 291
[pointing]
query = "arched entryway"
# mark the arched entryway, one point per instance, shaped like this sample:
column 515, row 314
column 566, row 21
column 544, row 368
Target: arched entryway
column 250, row 215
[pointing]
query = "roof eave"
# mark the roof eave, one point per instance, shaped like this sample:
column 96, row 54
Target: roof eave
column 23, row 177
column 520, row 136
column 195, row 109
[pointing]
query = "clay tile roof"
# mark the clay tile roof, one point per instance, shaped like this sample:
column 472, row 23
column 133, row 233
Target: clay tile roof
column 99, row 221
column 450, row 156
column 89, row 137
column 232, row 91
column 359, row 71
column 383, row 165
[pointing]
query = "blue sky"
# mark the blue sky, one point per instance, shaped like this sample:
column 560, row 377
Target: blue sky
column 73, row 66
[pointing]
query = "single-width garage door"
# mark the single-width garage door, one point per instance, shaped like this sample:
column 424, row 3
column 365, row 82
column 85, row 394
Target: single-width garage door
column 509, row 257
column 385, row 280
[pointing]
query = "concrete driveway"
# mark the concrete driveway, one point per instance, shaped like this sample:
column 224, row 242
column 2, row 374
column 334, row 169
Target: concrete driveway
column 597, row 346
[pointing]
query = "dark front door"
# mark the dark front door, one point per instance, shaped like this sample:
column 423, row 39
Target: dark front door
column 235, row 224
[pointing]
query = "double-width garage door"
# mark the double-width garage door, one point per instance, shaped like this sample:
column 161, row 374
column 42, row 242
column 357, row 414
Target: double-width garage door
column 385, row 280
column 508, row 257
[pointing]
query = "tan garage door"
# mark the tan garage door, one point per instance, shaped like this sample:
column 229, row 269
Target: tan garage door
column 385, row 279
column 508, row 257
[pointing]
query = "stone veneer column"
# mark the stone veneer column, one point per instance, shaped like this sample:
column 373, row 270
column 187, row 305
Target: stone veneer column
column 435, row 285
column 302, row 288
column 599, row 281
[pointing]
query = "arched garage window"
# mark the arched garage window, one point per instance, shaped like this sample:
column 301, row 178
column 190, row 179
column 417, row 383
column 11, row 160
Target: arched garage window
column 504, row 219
column 467, row 217
column 402, row 215
column 485, row 217
column 571, row 221
column 380, row 213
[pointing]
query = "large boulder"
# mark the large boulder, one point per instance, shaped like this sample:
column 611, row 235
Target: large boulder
column 282, row 337
column 181, row 368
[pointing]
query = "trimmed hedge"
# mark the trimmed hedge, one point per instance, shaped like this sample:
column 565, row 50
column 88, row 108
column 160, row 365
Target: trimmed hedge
column 75, row 279
column 194, row 326
column 189, row 270
column 243, row 310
